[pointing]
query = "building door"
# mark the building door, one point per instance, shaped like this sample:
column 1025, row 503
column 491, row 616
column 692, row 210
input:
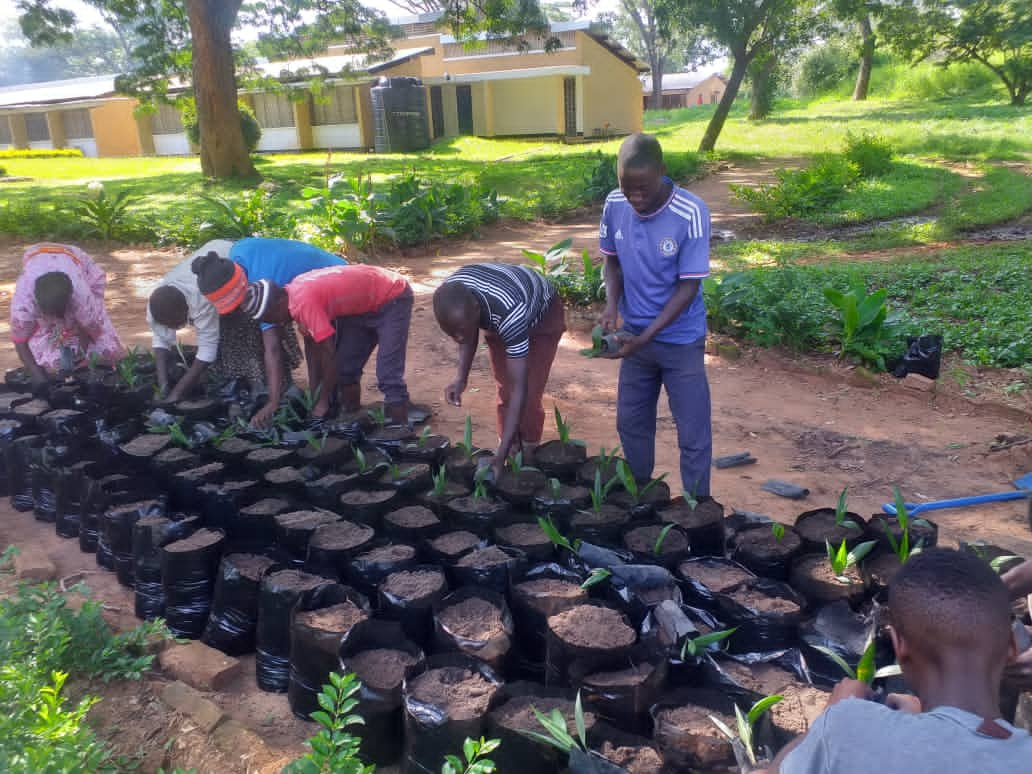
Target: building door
column 570, row 105
column 437, row 111
column 464, row 103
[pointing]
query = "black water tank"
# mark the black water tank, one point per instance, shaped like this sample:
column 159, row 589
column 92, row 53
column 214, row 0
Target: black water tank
column 400, row 119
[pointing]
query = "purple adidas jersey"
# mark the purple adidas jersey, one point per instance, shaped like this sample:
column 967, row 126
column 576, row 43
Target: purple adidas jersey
column 656, row 252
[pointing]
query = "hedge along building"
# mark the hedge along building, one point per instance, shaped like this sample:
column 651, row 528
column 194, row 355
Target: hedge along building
column 587, row 87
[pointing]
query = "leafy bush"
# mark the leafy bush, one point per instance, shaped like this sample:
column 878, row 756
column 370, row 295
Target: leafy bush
column 104, row 216
column 253, row 216
column 602, row 179
column 29, row 153
column 861, row 323
column 248, row 123
column 931, row 81
column 42, row 642
column 581, row 288
column 801, row 192
column 870, row 153
column 334, row 749
column 824, row 68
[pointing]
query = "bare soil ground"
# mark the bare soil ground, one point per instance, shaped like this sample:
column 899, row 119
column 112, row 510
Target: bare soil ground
column 807, row 420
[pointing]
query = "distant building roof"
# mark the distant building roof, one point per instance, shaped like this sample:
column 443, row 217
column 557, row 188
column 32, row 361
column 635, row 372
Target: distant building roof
column 678, row 81
column 51, row 92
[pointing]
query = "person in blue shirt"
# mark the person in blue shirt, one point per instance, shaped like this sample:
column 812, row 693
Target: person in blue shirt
column 654, row 240
column 223, row 274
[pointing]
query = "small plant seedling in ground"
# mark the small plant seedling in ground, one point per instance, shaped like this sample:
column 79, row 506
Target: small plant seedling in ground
column 595, row 577
column 692, row 498
column 480, row 484
column 660, row 538
column 440, row 479
column 558, row 538
column 424, row 436
column 563, row 429
column 334, row 749
column 778, row 530
column 174, row 432
column 630, row 483
column 231, row 432
column 840, row 512
column 476, row 761
column 362, row 460
column 515, row 464
column 903, row 547
column 555, row 488
column 600, row 492
column 842, row 559
column 865, row 671
column 558, row 736
column 397, row 472
column 746, row 723
column 379, row 416
column 696, row 646
column 467, row 437
column 998, row 563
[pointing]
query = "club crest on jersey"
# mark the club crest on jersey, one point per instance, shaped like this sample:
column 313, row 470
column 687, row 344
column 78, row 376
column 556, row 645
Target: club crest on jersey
column 667, row 246
column 603, row 230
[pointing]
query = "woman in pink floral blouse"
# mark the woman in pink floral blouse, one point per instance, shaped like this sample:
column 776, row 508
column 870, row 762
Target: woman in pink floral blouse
column 59, row 303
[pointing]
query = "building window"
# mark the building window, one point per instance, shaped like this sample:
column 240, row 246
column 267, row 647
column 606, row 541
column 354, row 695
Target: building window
column 340, row 109
column 167, row 120
column 5, row 131
column 78, row 125
column 36, row 127
column 714, row 98
column 273, row 110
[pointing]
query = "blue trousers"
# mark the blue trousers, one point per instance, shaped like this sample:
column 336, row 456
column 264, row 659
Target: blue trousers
column 680, row 368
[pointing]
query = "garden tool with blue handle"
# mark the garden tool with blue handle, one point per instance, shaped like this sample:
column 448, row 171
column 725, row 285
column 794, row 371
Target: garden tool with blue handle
column 1023, row 490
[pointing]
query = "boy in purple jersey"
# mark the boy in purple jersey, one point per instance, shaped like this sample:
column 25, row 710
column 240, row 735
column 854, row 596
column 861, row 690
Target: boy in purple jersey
column 654, row 238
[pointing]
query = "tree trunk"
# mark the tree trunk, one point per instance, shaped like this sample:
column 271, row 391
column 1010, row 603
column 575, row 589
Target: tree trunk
column 656, row 98
column 761, row 75
column 223, row 151
column 716, row 124
column 863, row 78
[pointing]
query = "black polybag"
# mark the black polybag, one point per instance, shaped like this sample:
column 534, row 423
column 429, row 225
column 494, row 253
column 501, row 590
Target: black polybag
column 380, row 708
column 430, row 733
column 275, row 601
column 329, row 553
column 19, row 456
column 233, row 620
column 69, row 491
column 761, row 632
column 9, row 430
column 667, row 627
column 494, row 576
column 626, row 703
column 923, row 357
column 637, row 588
column 494, row 650
column 188, row 578
column 530, row 610
column 315, row 654
column 150, row 533
column 368, row 570
column 591, row 762
column 715, row 673
column 698, row 594
column 415, row 615
column 117, row 525
column 837, row 628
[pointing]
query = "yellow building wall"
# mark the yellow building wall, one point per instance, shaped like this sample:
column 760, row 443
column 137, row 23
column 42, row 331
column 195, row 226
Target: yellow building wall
column 434, row 65
column 529, row 106
column 115, row 128
column 612, row 92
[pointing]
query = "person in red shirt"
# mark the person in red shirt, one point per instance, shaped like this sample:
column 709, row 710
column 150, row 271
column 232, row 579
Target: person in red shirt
column 344, row 312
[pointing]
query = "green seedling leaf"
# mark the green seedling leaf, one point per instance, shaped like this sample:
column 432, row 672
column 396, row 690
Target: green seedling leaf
column 578, row 719
column 553, row 534
column 763, row 705
column 598, row 575
column 778, row 531
column 998, row 563
column 865, row 667
column 662, row 536
column 847, row 670
column 694, row 647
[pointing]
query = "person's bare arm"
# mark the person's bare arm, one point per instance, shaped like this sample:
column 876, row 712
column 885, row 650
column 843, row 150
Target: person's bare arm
column 323, row 377
column 467, row 351
column 36, row 372
column 516, row 374
column 192, row 376
column 273, row 354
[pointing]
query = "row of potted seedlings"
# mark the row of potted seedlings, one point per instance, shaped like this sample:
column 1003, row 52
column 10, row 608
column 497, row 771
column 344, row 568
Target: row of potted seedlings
column 586, row 619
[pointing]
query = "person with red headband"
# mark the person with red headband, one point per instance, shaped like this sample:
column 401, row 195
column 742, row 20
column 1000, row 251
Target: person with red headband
column 344, row 312
column 57, row 311
column 223, row 275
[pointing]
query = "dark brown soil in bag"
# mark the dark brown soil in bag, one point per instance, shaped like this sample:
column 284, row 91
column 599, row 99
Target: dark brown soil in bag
column 461, row 693
column 381, row 668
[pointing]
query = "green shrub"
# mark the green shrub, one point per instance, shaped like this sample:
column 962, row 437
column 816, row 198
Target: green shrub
column 28, row 153
column 248, row 123
column 871, row 153
column 930, row 81
column 602, row 179
column 824, row 68
column 801, row 192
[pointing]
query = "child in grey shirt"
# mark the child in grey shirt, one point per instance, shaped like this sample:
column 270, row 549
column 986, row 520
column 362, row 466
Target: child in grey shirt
column 950, row 626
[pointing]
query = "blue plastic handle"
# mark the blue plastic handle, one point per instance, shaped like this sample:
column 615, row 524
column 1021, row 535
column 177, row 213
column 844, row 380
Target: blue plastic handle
column 960, row 502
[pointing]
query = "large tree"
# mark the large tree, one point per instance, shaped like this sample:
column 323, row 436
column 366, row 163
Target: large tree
column 859, row 14
column 747, row 29
column 652, row 39
column 994, row 33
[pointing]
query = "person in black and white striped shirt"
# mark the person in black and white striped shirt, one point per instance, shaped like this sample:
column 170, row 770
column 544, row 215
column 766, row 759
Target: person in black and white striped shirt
column 523, row 321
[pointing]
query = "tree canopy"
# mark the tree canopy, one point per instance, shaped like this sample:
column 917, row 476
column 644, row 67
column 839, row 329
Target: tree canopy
column 994, row 33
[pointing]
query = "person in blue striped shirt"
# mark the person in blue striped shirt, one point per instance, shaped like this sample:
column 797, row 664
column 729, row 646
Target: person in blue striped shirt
column 654, row 239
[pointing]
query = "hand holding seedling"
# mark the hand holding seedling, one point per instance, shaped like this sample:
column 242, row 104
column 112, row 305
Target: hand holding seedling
column 629, row 344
